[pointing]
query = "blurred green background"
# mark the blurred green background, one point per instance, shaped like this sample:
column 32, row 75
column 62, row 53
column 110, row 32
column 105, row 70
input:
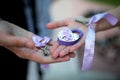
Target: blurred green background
column 111, row 2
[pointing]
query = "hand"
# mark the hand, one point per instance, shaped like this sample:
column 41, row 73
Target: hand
column 61, row 50
column 19, row 42
column 14, row 36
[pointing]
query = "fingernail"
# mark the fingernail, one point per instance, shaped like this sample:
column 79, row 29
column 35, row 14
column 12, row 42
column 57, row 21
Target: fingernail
column 72, row 55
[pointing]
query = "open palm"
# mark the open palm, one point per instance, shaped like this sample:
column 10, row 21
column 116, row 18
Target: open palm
column 62, row 50
column 19, row 41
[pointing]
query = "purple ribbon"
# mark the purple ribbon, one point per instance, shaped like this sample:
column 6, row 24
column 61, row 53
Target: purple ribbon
column 90, row 38
column 69, row 37
column 41, row 42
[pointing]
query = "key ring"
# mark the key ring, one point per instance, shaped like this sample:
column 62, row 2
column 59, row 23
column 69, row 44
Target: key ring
column 45, row 51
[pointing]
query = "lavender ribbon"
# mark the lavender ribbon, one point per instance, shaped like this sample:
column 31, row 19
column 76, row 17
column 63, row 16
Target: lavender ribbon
column 69, row 37
column 41, row 42
column 90, row 38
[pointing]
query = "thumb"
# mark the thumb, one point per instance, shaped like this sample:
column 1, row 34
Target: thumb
column 13, row 41
column 58, row 24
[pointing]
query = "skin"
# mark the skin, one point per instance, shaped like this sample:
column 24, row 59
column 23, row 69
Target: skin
column 102, row 26
column 19, row 41
column 61, row 50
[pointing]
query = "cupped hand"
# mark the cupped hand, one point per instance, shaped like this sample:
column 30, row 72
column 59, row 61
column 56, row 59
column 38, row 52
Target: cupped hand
column 58, row 50
column 20, row 42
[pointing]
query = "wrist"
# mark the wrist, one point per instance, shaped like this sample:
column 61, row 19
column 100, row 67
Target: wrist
column 107, row 21
column 101, row 25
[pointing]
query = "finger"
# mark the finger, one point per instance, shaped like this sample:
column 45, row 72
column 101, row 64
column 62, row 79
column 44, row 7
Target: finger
column 9, row 40
column 71, row 54
column 62, row 59
column 59, row 59
column 65, row 51
column 49, row 59
column 58, row 50
column 54, row 47
column 78, row 44
column 57, row 24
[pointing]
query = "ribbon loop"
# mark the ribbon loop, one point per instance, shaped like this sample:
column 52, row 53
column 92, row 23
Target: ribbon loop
column 90, row 38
